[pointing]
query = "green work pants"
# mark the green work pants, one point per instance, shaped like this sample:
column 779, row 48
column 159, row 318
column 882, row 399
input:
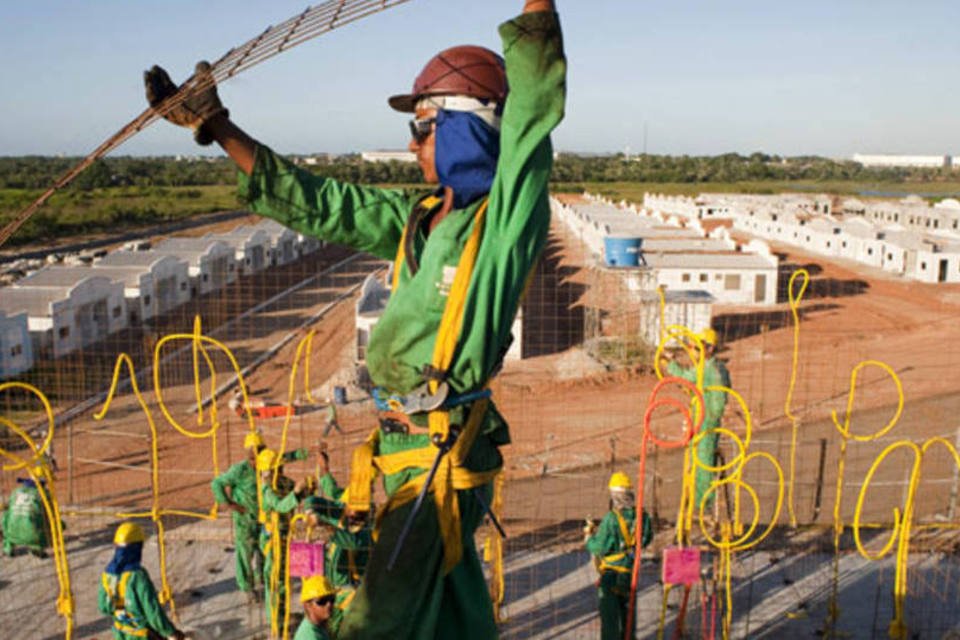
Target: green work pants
column 415, row 600
column 614, row 599
column 249, row 556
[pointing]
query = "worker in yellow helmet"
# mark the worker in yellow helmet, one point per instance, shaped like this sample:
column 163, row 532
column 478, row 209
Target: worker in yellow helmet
column 612, row 544
column 127, row 594
column 715, row 374
column 279, row 498
column 236, row 490
column 317, row 595
column 25, row 519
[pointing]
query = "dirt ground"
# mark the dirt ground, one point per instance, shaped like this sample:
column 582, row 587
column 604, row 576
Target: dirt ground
column 573, row 418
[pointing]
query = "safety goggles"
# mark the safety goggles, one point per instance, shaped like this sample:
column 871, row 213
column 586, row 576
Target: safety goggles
column 324, row 601
column 421, row 129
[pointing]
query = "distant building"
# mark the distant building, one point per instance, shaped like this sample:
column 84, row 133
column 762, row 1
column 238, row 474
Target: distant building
column 251, row 245
column 67, row 312
column 388, row 156
column 16, row 348
column 212, row 265
column 167, row 287
column 921, row 162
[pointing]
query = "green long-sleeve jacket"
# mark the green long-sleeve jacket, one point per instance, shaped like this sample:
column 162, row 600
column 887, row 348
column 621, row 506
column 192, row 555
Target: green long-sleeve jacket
column 24, row 521
column 241, row 478
column 608, row 538
column 715, row 374
column 372, row 219
column 140, row 604
column 346, row 552
column 309, row 631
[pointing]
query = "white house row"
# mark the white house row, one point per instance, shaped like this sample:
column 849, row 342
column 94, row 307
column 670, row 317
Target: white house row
column 907, row 238
column 679, row 258
column 65, row 308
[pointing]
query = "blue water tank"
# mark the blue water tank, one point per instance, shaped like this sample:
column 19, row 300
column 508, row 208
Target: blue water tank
column 622, row 252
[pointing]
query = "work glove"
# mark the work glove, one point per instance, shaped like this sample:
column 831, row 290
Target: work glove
column 196, row 109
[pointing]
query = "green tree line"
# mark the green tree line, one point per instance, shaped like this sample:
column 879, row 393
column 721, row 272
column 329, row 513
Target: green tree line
column 36, row 172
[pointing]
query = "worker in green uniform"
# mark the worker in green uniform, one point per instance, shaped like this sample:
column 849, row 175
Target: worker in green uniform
column 127, row 594
column 25, row 521
column 348, row 546
column 489, row 153
column 236, row 490
column 278, row 501
column 317, row 595
column 715, row 374
column 612, row 544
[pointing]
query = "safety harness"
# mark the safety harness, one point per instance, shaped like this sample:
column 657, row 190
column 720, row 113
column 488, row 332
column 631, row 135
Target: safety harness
column 116, row 589
column 621, row 561
column 450, row 474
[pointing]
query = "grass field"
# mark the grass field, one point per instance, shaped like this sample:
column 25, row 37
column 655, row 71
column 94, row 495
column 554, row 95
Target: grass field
column 73, row 212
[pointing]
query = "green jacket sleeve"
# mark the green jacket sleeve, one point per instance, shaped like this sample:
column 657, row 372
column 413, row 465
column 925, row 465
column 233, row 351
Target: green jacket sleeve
column 226, row 479
column 677, row 371
column 518, row 213
column 296, row 454
column 366, row 218
column 140, row 592
column 329, row 487
column 272, row 502
column 606, row 539
column 103, row 601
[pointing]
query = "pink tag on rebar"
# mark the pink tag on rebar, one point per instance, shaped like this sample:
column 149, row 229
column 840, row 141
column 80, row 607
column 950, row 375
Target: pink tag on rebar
column 681, row 565
column 306, row 559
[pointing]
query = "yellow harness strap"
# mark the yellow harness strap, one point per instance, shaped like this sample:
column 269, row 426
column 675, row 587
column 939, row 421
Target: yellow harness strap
column 451, row 476
column 118, row 599
column 606, row 563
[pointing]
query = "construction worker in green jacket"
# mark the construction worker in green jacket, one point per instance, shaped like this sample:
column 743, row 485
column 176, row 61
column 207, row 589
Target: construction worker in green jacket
column 127, row 594
column 612, row 544
column 236, row 490
column 348, row 545
column 280, row 497
column 489, row 153
column 715, row 374
column 25, row 521
column 317, row 594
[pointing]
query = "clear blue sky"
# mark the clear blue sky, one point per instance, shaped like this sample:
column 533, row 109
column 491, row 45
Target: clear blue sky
column 827, row 77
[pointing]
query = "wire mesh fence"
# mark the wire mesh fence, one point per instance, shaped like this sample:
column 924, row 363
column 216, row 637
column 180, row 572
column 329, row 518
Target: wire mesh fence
column 575, row 398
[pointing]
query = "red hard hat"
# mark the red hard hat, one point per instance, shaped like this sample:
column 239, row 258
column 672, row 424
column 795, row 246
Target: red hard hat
column 466, row 70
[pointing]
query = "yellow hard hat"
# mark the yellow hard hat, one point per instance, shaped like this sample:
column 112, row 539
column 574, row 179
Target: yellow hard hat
column 619, row 480
column 128, row 533
column 316, row 587
column 709, row 336
column 266, row 459
column 253, row 440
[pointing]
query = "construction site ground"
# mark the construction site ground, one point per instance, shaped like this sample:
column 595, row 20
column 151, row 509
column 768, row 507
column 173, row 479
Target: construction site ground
column 574, row 417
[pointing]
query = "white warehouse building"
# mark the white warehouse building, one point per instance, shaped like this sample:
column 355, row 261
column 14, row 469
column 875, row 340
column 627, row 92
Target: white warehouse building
column 169, row 276
column 68, row 317
column 211, row 263
column 16, row 348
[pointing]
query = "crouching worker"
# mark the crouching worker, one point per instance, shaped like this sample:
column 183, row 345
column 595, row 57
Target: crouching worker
column 317, row 595
column 612, row 545
column 25, row 520
column 127, row 594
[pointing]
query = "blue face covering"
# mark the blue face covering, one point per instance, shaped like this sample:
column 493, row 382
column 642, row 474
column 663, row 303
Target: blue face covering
column 126, row 558
column 466, row 155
